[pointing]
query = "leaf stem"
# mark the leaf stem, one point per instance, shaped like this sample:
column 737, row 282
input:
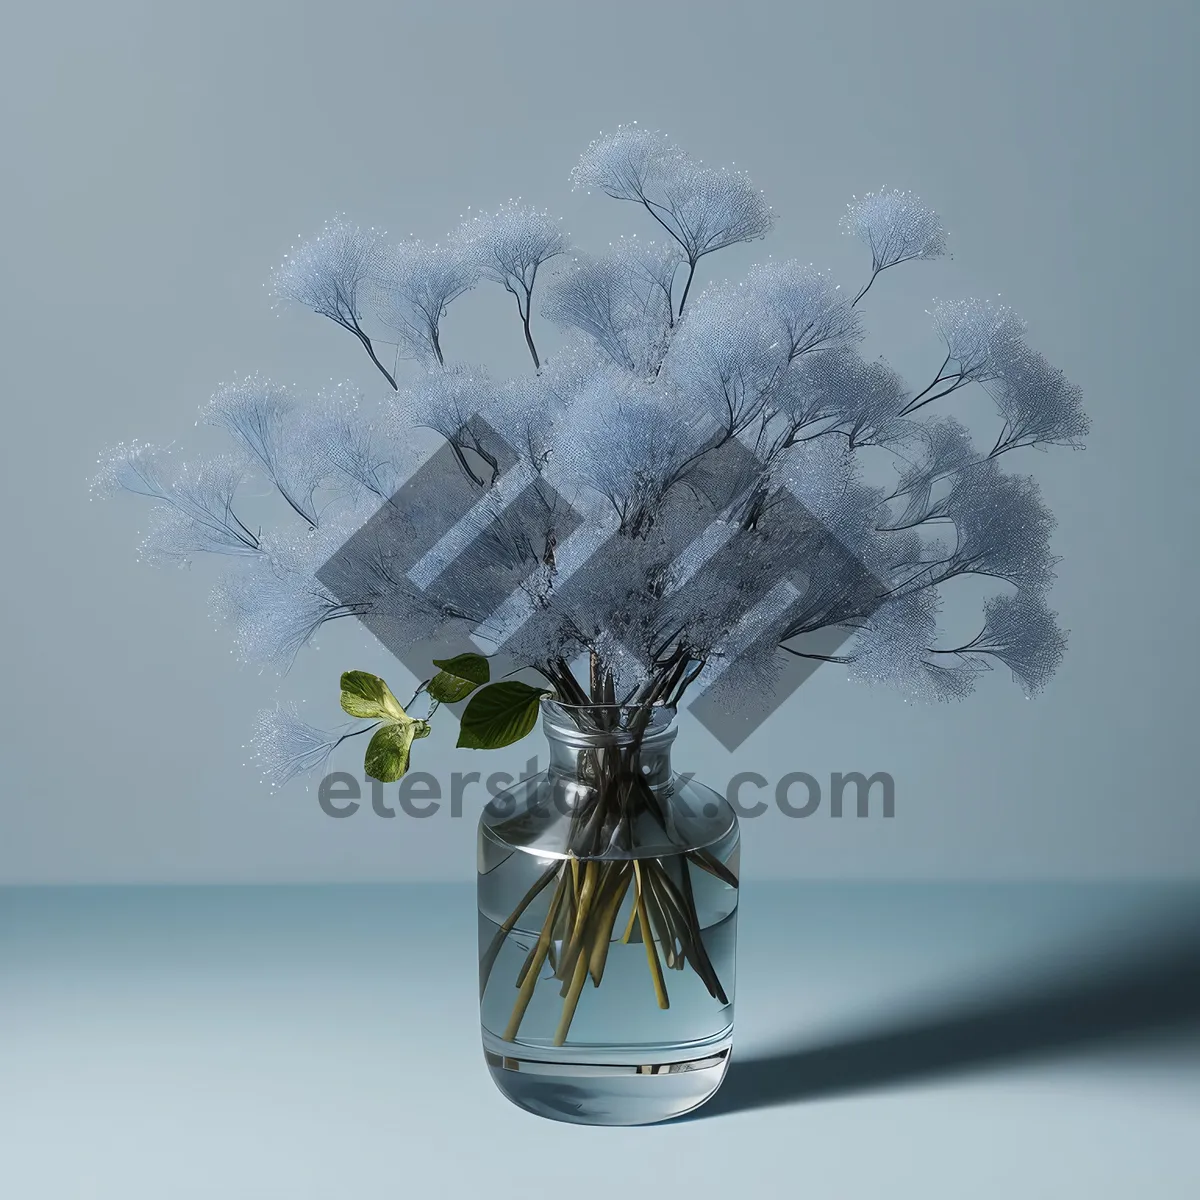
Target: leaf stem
column 489, row 958
column 608, row 920
column 578, row 978
column 538, row 956
column 660, row 986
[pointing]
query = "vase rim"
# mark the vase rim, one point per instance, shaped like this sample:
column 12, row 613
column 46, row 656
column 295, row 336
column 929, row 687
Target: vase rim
column 577, row 723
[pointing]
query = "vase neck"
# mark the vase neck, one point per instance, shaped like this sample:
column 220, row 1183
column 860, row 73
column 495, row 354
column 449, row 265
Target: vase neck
column 610, row 740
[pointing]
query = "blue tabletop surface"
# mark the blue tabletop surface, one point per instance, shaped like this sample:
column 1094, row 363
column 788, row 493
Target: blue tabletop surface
column 892, row 1040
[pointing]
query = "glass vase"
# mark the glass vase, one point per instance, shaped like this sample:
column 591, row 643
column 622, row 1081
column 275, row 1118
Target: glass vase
column 608, row 897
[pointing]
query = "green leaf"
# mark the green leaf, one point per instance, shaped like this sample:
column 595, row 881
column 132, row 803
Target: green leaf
column 366, row 695
column 387, row 755
column 499, row 714
column 458, row 677
column 466, row 666
column 449, row 689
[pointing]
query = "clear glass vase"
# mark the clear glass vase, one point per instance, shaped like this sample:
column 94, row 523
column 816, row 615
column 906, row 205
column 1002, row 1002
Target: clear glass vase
column 607, row 924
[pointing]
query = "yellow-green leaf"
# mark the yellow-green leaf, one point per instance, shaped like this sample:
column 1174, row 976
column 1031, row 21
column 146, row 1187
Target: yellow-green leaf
column 366, row 695
column 450, row 689
column 387, row 754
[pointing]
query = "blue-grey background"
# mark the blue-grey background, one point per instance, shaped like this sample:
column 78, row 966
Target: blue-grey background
column 159, row 159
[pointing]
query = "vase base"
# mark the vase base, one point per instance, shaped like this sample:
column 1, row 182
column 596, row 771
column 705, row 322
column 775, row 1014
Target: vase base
column 608, row 1093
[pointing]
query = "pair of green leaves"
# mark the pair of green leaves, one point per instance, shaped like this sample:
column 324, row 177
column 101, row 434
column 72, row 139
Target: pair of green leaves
column 498, row 714
column 366, row 695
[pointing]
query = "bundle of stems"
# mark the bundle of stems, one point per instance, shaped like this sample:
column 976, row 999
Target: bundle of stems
column 601, row 864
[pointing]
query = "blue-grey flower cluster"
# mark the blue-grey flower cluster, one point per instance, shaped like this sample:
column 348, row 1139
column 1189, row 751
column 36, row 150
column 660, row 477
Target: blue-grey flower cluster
column 681, row 491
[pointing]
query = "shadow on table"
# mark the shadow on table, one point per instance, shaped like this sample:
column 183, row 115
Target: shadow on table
column 1155, row 993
